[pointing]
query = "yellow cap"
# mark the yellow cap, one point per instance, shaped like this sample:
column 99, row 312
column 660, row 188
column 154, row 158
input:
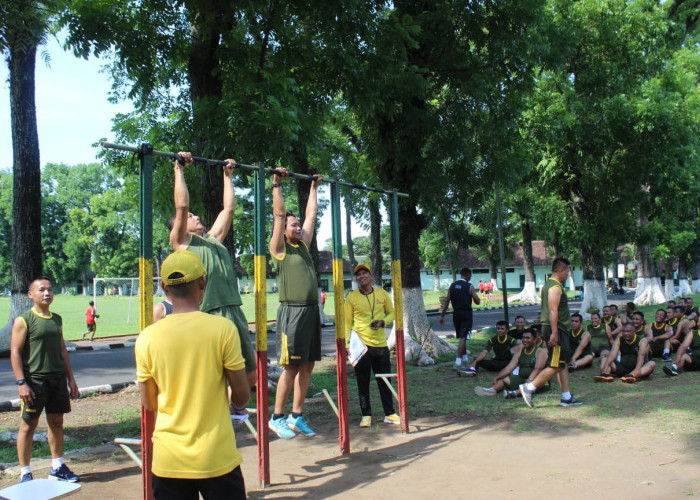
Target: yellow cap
column 359, row 267
column 181, row 267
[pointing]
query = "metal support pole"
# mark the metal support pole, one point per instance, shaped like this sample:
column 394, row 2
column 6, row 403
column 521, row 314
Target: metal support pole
column 260, row 264
column 341, row 354
column 398, row 311
column 148, row 418
column 502, row 251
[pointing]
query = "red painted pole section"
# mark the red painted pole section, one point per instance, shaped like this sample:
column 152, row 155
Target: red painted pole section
column 401, row 372
column 262, row 416
column 343, row 410
column 148, row 422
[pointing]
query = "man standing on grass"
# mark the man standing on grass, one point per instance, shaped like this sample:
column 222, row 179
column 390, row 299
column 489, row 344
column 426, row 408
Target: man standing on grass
column 187, row 233
column 556, row 329
column 298, row 320
column 461, row 294
column 367, row 311
column 41, row 366
column 183, row 363
column 90, row 315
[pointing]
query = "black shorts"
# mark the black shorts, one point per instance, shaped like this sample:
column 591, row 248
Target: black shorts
column 228, row 486
column 462, row 320
column 50, row 394
column 91, row 327
column 656, row 349
column 493, row 365
column 299, row 327
column 694, row 365
column 560, row 354
column 626, row 365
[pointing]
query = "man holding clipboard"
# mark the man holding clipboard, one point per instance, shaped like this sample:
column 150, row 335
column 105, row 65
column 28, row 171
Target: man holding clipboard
column 367, row 311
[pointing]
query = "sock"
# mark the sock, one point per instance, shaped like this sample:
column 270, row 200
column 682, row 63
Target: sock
column 674, row 366
column 566, row 395
column 667, row 351
column 56, row 463
column 458, row 361
column 25, row 470
column 276, row 416
column 296, row 415
column 530, row 387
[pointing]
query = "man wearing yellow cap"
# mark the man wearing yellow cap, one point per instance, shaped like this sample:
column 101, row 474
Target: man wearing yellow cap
column 183, row 363
column 367, row 311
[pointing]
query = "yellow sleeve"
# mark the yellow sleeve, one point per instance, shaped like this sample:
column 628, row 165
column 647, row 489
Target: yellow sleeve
column 349, row 311
column 388, row 309
column 232, row 355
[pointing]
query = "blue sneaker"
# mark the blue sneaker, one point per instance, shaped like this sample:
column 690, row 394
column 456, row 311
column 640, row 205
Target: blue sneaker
column 279, row 426
column 26, row 477
column 63, row 473
column 299, row 424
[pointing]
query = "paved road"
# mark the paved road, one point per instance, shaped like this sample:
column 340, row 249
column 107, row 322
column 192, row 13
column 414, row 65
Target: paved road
column 117, row 365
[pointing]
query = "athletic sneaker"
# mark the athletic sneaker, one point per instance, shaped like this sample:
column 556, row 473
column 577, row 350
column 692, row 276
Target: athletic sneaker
column 629, row 379
column 670, row 370
column 484, row 391
column 469, row 372
column 572, row 401
column 299, row 424
column 26, row 477
column 572, row 367
column 392, row 419
column 603, row 377
column 666, row 358
column 63, row 473
column 366, row 421
column 527, row 395
column 279, row 426
column 510, row 394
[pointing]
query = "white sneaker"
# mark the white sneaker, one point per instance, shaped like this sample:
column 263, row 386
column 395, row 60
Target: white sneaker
column 458, row 362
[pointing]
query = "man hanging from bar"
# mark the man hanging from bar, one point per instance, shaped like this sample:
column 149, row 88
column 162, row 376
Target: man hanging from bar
column 298, row 321
column 221, row 296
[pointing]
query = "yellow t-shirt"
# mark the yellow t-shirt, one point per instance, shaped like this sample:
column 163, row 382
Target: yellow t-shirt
column 185, row 354
column 361, row 310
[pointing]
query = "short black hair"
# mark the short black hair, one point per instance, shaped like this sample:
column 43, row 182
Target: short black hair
column 595, row 314
column 530, row 331
column 560, row 262
column 91, row 303
column 679, row 308
column 501, row 323
column 577, row 315
column 465, row 271
column 519, row 316
column 638, row 313
column 42, row 277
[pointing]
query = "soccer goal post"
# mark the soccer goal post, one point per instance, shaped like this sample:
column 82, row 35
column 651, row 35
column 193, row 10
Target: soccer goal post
column 117, row 299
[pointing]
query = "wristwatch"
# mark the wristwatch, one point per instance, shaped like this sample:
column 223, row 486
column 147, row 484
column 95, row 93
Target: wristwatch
column 21, row 381
column 276, row 185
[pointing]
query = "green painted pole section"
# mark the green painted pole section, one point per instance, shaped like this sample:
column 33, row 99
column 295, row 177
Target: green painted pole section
column 394, row 220
column 341, row 354
column 146, row 201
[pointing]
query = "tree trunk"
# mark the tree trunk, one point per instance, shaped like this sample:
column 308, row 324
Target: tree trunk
column 529, row 294
column 348, row 232
column 436, row 280
column 26, row 187
column 649, row 291
column 669, row 288
column 594, row 295
column 684, row 289
column 493, row 268
column 695, row 271
column 375, row 229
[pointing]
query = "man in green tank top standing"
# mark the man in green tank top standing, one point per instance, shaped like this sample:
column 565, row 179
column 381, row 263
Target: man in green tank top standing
column 298, row 320
column 221, row 295
column 556, row 328
column 41, row 366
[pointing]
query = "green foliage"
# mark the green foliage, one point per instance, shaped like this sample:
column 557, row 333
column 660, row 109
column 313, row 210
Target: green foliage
column 5, row 227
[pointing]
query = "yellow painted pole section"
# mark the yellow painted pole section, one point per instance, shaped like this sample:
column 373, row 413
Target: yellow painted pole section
column 146, row 292
column 339, row 301
column 259, row 262
column 397, row 285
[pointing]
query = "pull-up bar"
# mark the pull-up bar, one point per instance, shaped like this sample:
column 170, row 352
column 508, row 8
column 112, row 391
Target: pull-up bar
column 215, row 163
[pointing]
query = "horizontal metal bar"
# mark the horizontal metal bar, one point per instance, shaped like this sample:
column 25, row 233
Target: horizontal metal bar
column 212, row 163
column 386, row 375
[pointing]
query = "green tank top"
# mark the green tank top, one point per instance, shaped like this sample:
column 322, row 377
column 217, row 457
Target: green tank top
column 527, row 361
column 41, row 354
column 597, row 332
column 297, row 275
column 576, row 338
column 631, row 347
column 564, row 316
column 658, row 331
column 222, row 284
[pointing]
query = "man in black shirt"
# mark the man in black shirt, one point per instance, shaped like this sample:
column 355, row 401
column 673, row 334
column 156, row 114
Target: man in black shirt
column 461, row 294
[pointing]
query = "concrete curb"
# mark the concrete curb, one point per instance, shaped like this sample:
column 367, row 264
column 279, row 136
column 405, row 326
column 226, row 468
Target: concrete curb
column 71, row 347
column 14, row 404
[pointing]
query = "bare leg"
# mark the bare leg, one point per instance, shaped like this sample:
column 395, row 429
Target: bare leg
column 564, row 380
column 55, row 435
column 461, row 348
column 301, row 386
column 584, row 361
column 25, row 437
column 284, row 387
column 647, row 368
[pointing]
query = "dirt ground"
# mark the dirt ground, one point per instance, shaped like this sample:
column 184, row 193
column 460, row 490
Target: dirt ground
column 444, row 456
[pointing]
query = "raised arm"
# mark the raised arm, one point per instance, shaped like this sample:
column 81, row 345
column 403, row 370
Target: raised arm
column 279, row 213
column 307, row 231
column 222, row 224
column 179, row 238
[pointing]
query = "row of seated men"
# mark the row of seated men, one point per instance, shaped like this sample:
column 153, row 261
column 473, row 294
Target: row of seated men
column 626, row 346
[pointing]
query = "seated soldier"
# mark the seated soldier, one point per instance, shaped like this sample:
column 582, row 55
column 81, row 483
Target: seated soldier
column 691, row 312
column 683, row 326
column 627, row 359
column 659, row 336
column 601, row 337
column 629, row 313
column 688, row 355
column 502, row 345
column 526, row 363
column 581, row 344
column 639, row 323
column 517, row 330
column 612, row 321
